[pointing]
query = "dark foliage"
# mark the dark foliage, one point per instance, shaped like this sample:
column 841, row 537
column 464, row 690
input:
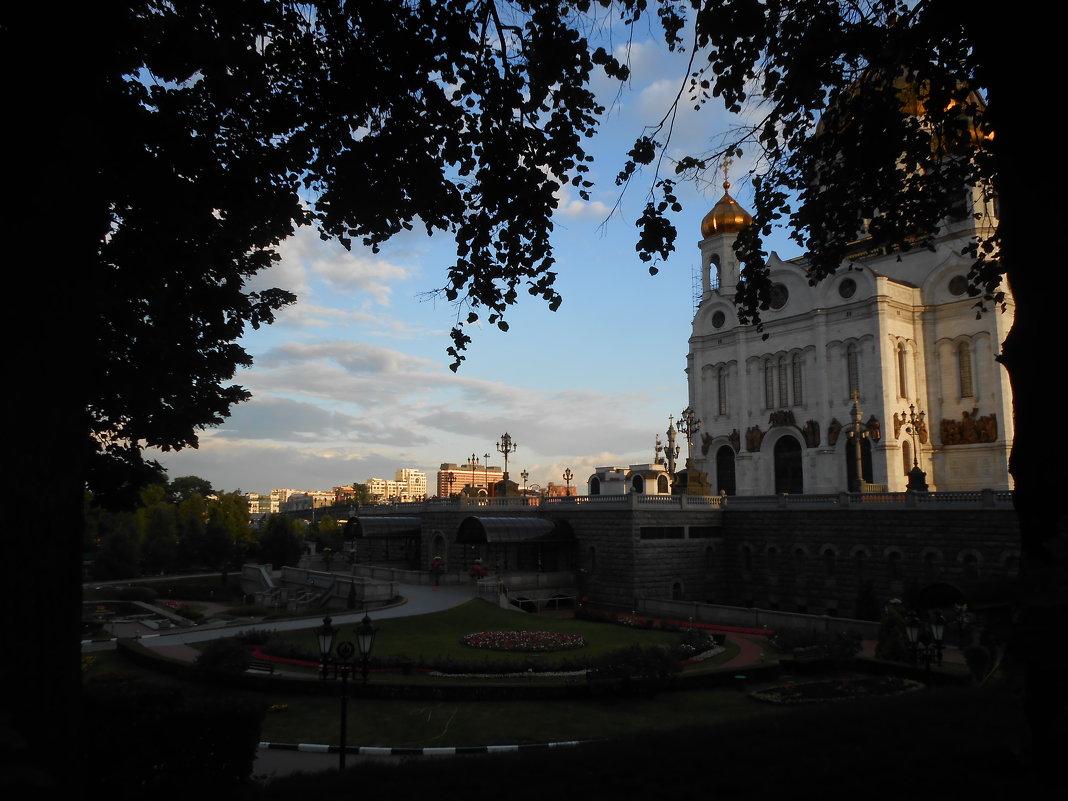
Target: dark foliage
column 143, row 741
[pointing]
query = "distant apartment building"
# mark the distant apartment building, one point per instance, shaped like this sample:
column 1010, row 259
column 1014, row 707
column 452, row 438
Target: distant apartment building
column 479, row 478
column 344, row 494
column 258, row 503
column 413, row 483
column 307, row 499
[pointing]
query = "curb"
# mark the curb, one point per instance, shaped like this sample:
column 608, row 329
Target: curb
column 366, row 750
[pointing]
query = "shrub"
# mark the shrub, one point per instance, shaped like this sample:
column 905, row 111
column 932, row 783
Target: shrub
column 977, row 657
column 224, row 656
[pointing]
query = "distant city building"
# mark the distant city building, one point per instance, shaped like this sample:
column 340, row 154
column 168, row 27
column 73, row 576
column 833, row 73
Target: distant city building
column 561, row 490
column 258, row 503
column 344, row 493
column 413, row 483
column 478, row 478
column 310, row 499
column 409, row 485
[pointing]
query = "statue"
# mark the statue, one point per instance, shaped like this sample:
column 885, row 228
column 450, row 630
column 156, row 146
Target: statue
column 811, row 432
column 753, row 437
column 833, row 430
column 874, row 428
column 735, row 440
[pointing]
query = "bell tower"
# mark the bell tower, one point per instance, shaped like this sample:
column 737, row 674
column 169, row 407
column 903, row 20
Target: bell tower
column 719, row 230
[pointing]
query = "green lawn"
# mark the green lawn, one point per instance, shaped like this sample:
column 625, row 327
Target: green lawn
column 436, row 637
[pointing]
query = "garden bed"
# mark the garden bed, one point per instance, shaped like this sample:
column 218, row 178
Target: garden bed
column 836, row 689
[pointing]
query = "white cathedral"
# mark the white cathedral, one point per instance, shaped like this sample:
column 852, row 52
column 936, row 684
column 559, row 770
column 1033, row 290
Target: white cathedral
column 888, row 353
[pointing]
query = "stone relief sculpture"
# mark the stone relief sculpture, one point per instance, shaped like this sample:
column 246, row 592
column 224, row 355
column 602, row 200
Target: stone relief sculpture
column 811, row 432
column 970, row 429
column 735, row 440
column 782, row 418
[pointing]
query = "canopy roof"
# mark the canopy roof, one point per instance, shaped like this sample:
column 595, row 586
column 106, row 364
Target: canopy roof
column 476, row 530
column 368, row 527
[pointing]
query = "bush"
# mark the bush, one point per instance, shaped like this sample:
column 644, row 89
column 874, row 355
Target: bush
column 978, row 659
column 224, row 656
column 144, row 742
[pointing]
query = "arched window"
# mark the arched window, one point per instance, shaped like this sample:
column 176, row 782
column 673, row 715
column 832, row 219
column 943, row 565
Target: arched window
column 964, row 369
column 796, row 370
column 637, row 484
column 902, row 381
column 789, row 474
column 860, row 564
column 784, row 385
column 725, row 470
column 853, row 368
column 893, row 565
column 906, row 457
column 662, row 486
column 721, row 389
column 769, row 384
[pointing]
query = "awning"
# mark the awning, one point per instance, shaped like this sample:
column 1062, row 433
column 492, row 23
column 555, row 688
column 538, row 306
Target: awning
column 477, row 530
column 367, row 527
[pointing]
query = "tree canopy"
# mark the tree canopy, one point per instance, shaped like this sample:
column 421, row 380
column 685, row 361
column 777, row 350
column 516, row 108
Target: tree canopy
column 178, row 143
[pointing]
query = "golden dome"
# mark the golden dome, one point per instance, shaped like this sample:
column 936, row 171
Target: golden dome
column 726, row 217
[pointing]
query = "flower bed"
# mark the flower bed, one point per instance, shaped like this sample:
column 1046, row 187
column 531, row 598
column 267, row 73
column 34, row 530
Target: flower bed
column 836, row 690
column 523, row 641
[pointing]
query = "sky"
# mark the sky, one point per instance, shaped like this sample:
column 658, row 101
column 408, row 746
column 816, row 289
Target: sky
column 352, row 381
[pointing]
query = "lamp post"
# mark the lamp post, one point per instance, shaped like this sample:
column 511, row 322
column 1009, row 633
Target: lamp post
column 568, row 475
column 857, row 435
column 344, row 663
column 916, row 427
column 524, row 475
column 689, row 425
column 926, row 639
column 504, row 447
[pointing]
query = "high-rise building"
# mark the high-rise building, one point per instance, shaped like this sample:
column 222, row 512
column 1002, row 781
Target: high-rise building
column 479, row 478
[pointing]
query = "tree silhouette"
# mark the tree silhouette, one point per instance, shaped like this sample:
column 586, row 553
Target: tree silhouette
column 162, row 151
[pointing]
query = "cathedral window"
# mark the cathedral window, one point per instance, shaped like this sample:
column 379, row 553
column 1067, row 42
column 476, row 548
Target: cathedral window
column 902, row 381
column 796, row 369
column 964, row 369
column 721, row 389
column 769, row 384
column 784, row 396
column 853, row 368
column 906, row 457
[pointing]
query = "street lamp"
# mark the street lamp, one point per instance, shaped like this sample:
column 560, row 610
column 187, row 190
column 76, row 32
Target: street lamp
column 916, row 427
column 343, row 663
column 568, row 475
column 925, row 639
column 505, row 447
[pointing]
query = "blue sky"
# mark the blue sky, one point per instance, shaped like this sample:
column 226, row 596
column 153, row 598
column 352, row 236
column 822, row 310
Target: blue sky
column 352, row 381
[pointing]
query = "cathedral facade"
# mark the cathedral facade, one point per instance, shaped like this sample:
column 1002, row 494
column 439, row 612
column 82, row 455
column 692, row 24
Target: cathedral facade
column 880, row 369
